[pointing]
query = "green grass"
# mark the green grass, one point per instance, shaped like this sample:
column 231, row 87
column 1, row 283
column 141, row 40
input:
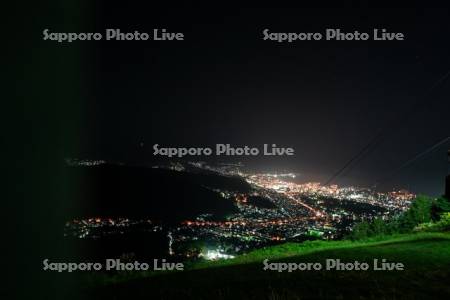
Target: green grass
column 296, row 249
column 426, row 257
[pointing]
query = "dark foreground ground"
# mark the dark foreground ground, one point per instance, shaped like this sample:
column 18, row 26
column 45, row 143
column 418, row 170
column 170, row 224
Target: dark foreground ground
column 426, row 276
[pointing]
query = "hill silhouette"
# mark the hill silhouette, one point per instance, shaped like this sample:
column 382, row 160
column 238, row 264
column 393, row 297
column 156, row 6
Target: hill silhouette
column 138, row 192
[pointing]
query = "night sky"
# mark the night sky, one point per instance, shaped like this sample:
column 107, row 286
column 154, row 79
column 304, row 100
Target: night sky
column 225, row 84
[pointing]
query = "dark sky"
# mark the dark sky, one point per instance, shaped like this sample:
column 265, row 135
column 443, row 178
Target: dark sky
column 224, row 84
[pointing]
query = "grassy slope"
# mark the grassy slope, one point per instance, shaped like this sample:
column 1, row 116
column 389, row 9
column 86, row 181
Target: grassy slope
column 426, row 257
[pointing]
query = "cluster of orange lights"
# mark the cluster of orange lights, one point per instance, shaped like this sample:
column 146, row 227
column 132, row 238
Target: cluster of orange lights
column 242, row 223
column 240, row 198
column 213, row 223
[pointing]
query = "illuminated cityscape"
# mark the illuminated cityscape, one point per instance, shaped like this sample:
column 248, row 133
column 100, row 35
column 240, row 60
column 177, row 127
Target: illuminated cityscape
column 277, row 209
